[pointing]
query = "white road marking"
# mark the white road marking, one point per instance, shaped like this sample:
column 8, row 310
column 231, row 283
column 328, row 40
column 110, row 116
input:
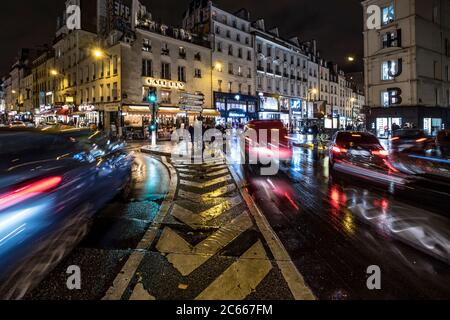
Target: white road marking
column 195, row 220
column 123, row 279
column 207, row 196
column 209, row 175
column 294, row 279
column 242, row 278
column 186, row 258
column 140, row 294
column 206, row 184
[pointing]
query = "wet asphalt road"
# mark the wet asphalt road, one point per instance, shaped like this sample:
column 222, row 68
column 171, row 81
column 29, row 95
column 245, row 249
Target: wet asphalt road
column 318, row 218
column 335, row 227
column 115, row 232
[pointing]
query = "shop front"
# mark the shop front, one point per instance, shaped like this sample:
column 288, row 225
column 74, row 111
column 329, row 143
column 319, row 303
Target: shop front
column 235, row 109
column 382, row 121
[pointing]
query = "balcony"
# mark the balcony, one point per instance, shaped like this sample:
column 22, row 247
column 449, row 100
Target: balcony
column 285, row 75
column 165, row 52
column 278, row 73
column 270, row 71
column 182, row 55
column 260, row 68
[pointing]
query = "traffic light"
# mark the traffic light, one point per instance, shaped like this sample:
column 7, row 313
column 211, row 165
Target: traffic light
column 153, row 127
column 152, row 95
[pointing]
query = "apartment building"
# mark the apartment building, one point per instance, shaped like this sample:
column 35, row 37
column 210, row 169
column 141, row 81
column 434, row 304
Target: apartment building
column 233, row 65
column 407, row 65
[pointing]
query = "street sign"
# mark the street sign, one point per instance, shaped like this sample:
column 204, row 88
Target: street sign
column 192, row 102
column 191, row 108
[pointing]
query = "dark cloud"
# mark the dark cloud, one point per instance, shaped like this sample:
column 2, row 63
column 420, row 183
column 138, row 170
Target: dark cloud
column 336, row 24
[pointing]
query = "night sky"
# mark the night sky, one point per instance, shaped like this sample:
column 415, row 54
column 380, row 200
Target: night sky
column 337, row 25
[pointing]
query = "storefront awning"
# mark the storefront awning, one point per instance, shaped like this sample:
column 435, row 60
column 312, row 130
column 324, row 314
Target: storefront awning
column 144, row 110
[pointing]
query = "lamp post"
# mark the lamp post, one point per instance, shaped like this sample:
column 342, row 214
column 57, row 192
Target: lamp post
column 352, row 100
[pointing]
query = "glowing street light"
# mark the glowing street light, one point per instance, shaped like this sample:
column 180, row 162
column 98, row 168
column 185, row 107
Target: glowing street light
column 14, row 92
column 218, row 66
column 54, row 72
column 98, row 53
column 351, row 59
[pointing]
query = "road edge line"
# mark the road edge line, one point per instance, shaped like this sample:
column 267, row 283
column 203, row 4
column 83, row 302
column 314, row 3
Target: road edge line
column 292, row 276
column 123, row 279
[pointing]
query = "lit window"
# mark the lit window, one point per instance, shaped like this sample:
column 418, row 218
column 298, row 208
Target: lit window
column 388, row 14
column 389, row 69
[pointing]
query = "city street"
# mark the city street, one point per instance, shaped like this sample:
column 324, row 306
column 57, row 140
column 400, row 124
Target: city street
column 186, row 232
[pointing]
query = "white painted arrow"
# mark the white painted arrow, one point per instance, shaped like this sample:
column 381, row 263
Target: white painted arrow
column 195, row 197
column 242, row 278
column 206, row 184
column 194, row 220
column 186, row 258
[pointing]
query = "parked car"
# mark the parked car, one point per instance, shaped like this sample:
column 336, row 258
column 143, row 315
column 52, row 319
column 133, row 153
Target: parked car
column 52, row 182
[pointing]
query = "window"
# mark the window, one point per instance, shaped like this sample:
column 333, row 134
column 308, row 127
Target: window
column 147, row 68
column 165, row 71
column 166, row 97
column 197, row 73
column 240, row 87
column 219, row 85
column 115, row 65
column 198, row 57
column 217, row 30
column 259, row 48
column 230, row 68
column 146, row 45
column 238, row 37
column 230, row 86
column 219, row 46
column 230, row 50
column 392, row 39
column 388, row 14
column 240, row 71
column 240, row 53
column 165, row 50
column 228, row 34
column 182, row 52
column 182, row 74
column 390, row 97
column 388, row 70
column 249, row 55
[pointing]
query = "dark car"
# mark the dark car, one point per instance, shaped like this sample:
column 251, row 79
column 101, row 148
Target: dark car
column 52, row 182
column 361, row 154
column 410, row 140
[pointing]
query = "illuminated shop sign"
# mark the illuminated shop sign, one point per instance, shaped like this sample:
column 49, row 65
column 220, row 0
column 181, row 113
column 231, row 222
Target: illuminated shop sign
column 269, row 103
column 162, row 83
column 296, row 106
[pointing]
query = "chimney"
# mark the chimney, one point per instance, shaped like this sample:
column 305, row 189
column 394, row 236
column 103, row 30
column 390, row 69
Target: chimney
column 275, row 32
column 260, row 24
column 295, row 41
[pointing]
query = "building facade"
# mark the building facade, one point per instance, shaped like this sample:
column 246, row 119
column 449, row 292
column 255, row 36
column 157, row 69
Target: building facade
column 233, row 65
column 407, row 65
column 281, row 79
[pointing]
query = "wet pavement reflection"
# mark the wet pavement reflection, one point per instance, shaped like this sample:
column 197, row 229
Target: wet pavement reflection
column 336, row 226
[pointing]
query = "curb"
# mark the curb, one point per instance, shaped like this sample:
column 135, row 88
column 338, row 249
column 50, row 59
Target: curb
column 124, row 277
column 155, row 152
column 293, row 278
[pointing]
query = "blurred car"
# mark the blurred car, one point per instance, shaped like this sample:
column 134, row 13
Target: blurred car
column 443, row 143
column 410, row 140
column 52, row 182
column 361, row 154
column 17, row 124
column 259, row 141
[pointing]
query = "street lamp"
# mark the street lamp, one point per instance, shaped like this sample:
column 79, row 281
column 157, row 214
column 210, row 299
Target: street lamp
column 100, row 53
column 218, row 66
column 352, row 100
column 54, row 72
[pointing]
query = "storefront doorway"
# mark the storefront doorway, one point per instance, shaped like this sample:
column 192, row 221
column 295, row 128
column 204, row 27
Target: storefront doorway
column 384, row 126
